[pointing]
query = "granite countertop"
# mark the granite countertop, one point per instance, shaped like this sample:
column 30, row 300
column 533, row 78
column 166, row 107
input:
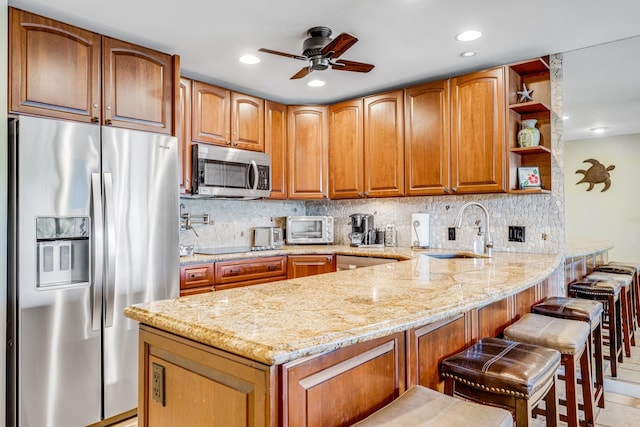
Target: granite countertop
column 380, row 252
column 278, row 322
column 585, row 248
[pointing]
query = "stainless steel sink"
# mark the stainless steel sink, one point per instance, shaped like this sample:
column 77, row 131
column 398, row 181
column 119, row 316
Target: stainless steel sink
column 453, row 255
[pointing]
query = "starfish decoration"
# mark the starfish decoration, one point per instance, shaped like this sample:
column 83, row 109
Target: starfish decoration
column 525, row 94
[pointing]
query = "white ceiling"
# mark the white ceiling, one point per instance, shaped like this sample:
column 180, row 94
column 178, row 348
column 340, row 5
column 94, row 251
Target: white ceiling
column 409, row 41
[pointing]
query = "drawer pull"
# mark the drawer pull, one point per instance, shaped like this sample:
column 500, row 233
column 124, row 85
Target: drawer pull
column 194, row 275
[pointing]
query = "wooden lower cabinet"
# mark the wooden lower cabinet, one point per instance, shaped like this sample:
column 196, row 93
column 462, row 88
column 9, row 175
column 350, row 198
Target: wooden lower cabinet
column 252, row 271
column 183, row 383
column 196, row 279
column 310, row 265
column 430, row 344
column 345, row 385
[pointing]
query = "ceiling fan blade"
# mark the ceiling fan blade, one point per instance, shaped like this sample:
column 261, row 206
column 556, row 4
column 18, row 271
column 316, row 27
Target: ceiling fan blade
column 287, row 55
column 339, row 45
column 302, row 73
column 345, row 65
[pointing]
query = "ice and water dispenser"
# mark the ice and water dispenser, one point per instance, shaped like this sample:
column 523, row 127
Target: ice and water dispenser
column 62, row 251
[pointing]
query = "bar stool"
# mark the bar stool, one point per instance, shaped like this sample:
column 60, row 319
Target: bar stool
column 608, row 293
column 585, row 311
column 636, row 284
column 511, row 375
column 625, row 280
column 420, row 406
column 570, row 338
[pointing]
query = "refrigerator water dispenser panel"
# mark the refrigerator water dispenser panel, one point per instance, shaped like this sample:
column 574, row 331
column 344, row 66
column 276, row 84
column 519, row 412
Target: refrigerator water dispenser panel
column 63, row 251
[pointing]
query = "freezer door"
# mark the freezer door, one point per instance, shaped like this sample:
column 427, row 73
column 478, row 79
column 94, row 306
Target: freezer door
column 140, row 173
column 57, row 346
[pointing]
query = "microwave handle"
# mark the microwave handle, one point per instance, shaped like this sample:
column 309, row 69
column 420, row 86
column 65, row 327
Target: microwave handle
column 255, row 174
column 195, row 172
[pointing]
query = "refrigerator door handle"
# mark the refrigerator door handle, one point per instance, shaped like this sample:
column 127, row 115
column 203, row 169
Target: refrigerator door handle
column 97, row 254
column 110, row 229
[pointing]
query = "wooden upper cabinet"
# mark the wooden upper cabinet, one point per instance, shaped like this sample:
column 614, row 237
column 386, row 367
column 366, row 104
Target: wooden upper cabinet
column 427, row 139
column 346, row 152
column 275, row 138
column 183, row 133
column 247, row 122
column 54, row 68
column 384, row 145
column 137, row 87
column 308, row 152
column 478, row 132
column 210, row 114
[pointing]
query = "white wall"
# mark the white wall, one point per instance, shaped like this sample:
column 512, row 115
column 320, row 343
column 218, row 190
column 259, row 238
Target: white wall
column 612, row 215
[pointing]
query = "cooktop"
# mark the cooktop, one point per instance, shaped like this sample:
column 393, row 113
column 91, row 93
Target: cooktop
column 231, row 250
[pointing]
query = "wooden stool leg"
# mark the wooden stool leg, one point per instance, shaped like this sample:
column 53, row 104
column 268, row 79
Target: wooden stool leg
column 599, row 369
column 448, row 386
column 551, row 406
column 618, row 319
column 587, row 388
column 521, row 412
column 636, row 298
column 626, row 338
column 569, row 363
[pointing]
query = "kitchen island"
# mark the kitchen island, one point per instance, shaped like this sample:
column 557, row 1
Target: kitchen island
column 327, row 349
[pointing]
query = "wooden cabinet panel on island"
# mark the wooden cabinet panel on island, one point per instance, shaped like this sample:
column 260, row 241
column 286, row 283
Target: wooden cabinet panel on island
column 371, row 374
column 427, row 139
column 275, row 144
column 309, row 265
column 57, row 70
column 384, row 145
column 478, row 132
column 308, row 152
column 201, row 385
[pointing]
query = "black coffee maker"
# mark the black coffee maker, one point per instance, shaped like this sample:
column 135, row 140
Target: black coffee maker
column 362, row 231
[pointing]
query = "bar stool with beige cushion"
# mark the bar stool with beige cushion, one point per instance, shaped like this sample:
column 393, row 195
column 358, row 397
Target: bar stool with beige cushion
column 636, row 286
column 585, row 311
column 570, row 338
column 420, row 406
column 511, row 375
column 608, row 293
column 626, row 304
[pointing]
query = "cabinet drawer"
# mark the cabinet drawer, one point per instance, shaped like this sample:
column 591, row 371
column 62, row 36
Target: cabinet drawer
column 193, row 276
column 250, row 269
column 198, row 290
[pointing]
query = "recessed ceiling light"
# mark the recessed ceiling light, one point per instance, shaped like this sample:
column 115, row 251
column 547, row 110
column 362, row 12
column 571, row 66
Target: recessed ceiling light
column 467, row 36
column 468, row 53
column 249, row 59
column 315, row 83
column 600, row 129
column 565, row 117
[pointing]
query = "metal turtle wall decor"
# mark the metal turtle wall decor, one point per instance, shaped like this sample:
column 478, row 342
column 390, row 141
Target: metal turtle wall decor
column 596, row 174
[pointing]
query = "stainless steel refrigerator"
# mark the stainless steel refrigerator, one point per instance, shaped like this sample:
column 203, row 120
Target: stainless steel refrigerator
column 93, row 229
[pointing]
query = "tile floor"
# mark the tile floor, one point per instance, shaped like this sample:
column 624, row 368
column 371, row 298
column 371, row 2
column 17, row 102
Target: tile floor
column 622, row 397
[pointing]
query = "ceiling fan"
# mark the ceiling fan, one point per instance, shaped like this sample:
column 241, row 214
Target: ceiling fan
column 322, row 52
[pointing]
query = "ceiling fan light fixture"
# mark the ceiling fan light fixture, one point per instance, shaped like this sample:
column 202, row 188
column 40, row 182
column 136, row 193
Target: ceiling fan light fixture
column 249, row 59
column 468, row 53
column 467, row 36
column 315, row 83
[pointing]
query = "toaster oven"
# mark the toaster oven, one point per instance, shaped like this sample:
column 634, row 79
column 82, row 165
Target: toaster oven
column 309, row 230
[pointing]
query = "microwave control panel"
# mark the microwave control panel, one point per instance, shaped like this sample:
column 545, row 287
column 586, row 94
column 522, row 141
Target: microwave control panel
column 263, row 178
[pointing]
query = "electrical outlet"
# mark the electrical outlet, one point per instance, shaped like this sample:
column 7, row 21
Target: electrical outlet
column 157, row 383
column 452, row 233
column 516, row 234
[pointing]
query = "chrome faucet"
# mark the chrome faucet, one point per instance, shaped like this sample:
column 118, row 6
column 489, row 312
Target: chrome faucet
column 488, row 242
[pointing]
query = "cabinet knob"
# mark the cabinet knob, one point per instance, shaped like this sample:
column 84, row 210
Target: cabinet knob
column 455, row 189
column 360, row 195
column 95, row 105
column 366, row 194
column 108, row 122
column 108, row 107
column 235, row 144
column 228, row 142
column 95, row 120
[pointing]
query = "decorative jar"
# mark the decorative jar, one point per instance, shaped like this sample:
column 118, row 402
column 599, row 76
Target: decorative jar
column 529, row 134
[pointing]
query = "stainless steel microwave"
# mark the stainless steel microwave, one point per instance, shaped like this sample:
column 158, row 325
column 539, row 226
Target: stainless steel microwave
column 229, row 173
column 309, row 230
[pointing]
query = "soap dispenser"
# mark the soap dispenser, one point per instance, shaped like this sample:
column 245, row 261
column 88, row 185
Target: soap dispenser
column 478, row 242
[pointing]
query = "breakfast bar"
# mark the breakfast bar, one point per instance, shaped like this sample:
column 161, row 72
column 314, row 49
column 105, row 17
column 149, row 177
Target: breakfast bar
column 327, row 349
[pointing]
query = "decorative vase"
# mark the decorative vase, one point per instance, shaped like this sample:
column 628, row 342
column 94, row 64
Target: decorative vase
column 529, row 135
